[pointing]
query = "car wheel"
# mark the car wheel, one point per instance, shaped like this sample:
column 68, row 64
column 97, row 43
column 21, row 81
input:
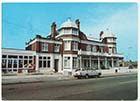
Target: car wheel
column 86, row 76
column 79, row 77
column 98, row 75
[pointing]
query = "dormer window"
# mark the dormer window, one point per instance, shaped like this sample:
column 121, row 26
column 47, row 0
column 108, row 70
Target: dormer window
column 74, row 31
column 68, row 27
column 67, row 30
column 70, row 31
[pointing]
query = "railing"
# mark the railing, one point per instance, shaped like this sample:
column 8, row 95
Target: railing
column 99, row 54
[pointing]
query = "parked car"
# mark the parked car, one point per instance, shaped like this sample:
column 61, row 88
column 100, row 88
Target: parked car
column 79, row 73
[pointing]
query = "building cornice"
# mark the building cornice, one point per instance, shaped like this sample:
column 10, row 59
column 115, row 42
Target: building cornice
column 43, row 40
column 92, row 43
column 17, row 52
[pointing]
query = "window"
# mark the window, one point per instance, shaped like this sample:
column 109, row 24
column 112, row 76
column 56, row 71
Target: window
column 74, row 31
column 67, row 30
column 88, row 48
column 101, row 49
column 115, row 50
column 40, row 63
column 94, row 48
column 86, row 63
column 75, row 45
column 4, row 63
column 20, row 63
column 66, row 62
column 56, row 47
column 4, row 56
column 15, row 63
column 110, row 50
column 44, row 47
column 75, row 62
column 48, row 62
column 30, row 59
column 9, row 63
column 67, row 45
column 44, row 62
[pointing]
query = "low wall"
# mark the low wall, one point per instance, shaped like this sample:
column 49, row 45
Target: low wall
column 118, row 70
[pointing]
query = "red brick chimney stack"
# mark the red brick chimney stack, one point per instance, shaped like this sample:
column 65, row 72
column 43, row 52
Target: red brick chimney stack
column 77, row 23
column 53, row 30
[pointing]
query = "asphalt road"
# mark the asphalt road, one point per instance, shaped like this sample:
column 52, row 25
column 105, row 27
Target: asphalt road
column 122, row 87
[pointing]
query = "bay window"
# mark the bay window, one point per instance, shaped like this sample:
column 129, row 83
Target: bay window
column 66, row 62
column 75, row 63
column 75, row 45
column 74, row 31
column 67, row 45
column 67, row 30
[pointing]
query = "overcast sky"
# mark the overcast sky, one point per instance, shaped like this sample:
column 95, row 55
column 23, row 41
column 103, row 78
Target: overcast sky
column 22, row 21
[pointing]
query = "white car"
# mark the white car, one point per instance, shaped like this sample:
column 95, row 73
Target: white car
column 79, row 73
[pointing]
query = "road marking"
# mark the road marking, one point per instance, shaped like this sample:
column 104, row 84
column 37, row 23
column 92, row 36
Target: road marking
column 128, row 82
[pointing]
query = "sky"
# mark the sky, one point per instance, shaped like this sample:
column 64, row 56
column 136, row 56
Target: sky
column 22, row 21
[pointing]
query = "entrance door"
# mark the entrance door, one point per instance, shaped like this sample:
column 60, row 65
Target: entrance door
column 56, row 65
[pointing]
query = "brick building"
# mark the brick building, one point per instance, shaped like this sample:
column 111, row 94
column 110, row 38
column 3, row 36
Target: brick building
column 64, row 49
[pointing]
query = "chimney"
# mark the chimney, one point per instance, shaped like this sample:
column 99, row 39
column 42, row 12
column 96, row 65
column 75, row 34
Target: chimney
column 77, row 23
column 101, row 33
column 53, row 30
column 38, row 36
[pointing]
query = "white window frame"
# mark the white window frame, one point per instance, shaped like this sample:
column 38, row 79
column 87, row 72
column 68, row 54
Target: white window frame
column 75, row 46
column 56, row 48
column 67, row 31
column 101, row 48
column 42, row 62
column 74, row 31
column 75, row 62
column 110, row 50
column 44, row 46
column 67, row 45
column 88, row 48
column 66, row 62
column 94, row 48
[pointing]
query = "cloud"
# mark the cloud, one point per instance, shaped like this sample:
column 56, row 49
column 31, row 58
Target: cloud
column 123, row 24
column 122, row 20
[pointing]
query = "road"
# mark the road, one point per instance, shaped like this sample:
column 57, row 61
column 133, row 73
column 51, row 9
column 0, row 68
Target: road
column 123, row 87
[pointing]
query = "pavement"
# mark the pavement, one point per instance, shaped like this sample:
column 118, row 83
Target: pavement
column 53, row 77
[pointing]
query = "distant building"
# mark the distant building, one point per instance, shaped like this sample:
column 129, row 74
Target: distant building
column 130, row 64
column 64, row 49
